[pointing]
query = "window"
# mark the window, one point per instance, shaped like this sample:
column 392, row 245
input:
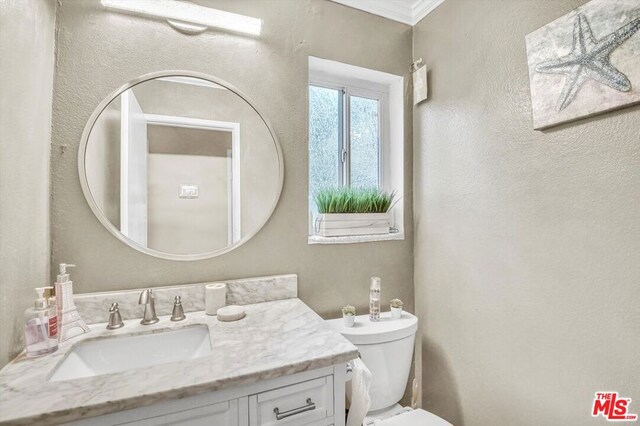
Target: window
column 354, row 115
column 344, row 138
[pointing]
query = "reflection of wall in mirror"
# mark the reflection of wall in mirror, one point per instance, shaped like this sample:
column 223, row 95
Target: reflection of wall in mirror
column 179, row 155
column 103, row 162
column 134, row 153
column 258, row 156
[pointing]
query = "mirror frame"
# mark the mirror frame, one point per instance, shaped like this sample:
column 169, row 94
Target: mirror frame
column 84, row 183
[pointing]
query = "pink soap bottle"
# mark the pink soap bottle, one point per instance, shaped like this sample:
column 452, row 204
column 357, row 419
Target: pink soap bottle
column 41, row 327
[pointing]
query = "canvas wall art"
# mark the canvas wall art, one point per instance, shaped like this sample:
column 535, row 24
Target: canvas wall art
column 585, row 63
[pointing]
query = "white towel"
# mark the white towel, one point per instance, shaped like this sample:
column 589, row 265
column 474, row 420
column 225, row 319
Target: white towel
column 359, row 393
column 420, row 90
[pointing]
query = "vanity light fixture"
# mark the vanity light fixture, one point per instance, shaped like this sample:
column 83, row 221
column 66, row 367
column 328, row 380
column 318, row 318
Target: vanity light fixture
column 185, row 13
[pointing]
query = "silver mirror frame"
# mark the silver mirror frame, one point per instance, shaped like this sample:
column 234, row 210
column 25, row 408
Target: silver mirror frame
column 84, row 183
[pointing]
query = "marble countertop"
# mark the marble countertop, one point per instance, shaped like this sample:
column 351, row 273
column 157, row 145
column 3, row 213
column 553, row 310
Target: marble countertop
column 275, row 339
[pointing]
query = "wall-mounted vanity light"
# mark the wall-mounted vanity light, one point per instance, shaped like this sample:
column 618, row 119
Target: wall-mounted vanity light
column 189, row 17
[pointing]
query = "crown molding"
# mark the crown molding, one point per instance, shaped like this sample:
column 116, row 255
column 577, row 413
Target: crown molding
column 394, row 10
column 397, row 10
column 422, row 8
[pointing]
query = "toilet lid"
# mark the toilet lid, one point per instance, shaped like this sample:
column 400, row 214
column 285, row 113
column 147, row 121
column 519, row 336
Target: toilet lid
column 413, row 418
column 387, row 329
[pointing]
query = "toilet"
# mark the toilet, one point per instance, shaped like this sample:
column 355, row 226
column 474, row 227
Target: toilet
column 386, row 348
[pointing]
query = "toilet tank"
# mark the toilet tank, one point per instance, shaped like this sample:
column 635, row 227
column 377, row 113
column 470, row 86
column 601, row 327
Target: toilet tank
column 386, row 348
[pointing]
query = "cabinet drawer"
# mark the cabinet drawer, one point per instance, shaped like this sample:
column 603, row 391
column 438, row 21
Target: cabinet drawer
column 221, row 414
column 299, row 404
column 192, row 411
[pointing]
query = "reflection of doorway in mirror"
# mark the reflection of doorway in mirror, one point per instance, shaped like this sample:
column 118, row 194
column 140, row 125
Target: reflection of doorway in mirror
column 159, row 156
column 198, row 153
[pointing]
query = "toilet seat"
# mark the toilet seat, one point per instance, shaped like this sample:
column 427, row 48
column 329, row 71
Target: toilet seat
column 417, row 417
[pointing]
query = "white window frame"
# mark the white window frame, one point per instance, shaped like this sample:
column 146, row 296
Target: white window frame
column 388, row 89
column 354, row 87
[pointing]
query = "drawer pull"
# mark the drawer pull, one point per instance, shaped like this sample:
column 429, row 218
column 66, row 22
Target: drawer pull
column 310, row 406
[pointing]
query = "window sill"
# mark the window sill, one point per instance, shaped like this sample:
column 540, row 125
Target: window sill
column 317, row 239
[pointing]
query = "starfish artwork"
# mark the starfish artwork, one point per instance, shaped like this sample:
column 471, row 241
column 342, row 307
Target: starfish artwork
column 585, row 63
column 589, row 59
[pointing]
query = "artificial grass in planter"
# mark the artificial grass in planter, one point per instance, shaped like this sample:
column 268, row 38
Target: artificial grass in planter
column 354, row 200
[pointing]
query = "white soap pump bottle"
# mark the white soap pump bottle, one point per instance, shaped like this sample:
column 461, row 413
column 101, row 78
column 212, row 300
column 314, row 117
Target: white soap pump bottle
column 71, row 323
column 40, row 327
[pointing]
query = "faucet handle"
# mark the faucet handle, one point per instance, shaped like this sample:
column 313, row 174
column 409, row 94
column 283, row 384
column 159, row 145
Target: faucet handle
column 178, row 311
column 115, row 319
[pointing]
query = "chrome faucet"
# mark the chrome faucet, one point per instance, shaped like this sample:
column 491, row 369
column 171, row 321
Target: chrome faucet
column 146, row 299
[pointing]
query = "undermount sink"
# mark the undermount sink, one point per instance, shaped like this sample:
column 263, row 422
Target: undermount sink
column 129, row 352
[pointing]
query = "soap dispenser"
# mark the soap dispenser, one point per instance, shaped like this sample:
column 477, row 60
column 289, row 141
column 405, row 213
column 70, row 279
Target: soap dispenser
column 374, row 299
column 40, row 327
column 71, row 323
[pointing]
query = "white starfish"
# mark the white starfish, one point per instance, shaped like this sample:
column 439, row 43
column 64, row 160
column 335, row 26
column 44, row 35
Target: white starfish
column 589, row 59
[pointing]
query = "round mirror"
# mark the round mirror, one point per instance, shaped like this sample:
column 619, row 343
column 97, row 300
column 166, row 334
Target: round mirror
column 180, row 165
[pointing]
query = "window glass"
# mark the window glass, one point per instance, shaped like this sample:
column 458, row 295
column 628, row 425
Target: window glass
column 324, row 139
column 365, row 142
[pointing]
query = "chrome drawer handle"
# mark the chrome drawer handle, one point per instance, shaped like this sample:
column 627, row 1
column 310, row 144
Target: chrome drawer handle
column 310, row 406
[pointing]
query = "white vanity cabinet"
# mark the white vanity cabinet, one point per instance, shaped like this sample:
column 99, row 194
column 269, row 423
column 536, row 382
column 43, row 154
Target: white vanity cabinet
column 311, row 398
column 308, row 402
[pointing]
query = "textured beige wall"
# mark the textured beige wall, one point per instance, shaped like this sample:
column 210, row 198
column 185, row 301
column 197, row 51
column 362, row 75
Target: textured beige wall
column 527, row 242
column 99, row 50
column 26, row 67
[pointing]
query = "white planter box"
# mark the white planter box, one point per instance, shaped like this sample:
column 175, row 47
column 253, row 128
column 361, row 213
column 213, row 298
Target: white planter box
column 347, row 224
